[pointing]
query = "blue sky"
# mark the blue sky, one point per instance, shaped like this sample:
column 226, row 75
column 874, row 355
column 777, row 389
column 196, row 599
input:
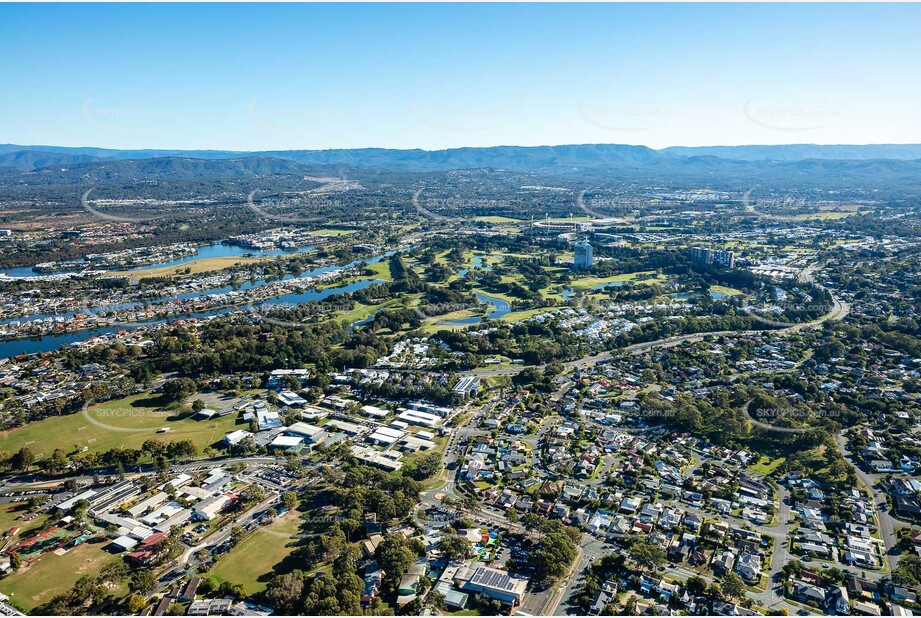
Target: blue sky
column 258, row 77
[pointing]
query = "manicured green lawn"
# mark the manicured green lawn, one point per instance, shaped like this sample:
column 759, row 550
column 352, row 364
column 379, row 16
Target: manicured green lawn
column 722, row 289
column 8, row 521
column 124, row 423
column 36, row 584
column 360, row 312
column 586, row 283
column 259, row 557
column 517, row 316
column 331, row 232
column 497, row 219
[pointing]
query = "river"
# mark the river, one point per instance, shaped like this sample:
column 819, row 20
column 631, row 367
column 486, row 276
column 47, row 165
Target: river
column 207, row 251
column 500, row 309
column 47, row 343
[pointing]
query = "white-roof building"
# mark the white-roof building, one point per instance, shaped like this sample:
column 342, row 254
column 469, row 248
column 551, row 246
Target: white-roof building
column 124, row 543
column 287, row 442
column 72, row 502
column 235, row 437
column 386, row 435
column 164, row 512
column 414, row 417
column 144, row 505
column 374, row 411
column 292, row 400
column 208, row 508
column 310, row 433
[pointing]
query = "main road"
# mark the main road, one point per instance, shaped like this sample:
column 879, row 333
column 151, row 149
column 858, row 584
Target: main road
column 838, row 311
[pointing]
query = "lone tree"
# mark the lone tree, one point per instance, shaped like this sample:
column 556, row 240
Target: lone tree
column 23, row 459
column 732, row 586
column 289, row 499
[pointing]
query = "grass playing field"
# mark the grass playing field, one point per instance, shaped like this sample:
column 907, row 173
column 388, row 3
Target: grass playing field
column 261, row 556
column 331, row 232
column 36, row 584
column 8, row 520
column 722, row 289
column 124, row 423
column 497, row 219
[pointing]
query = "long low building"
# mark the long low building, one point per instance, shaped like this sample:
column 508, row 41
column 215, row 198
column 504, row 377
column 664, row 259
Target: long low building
column 124, row 543
column 412, row 443
column 310, row 433
column 207, row 509
column 178, row 518
column 386, row 435
column 235, row 437
column 415, row 417
column 374, row 411
column 350, row 428
column 292, row 400
column 495, row 584
column 375, row 458
column 164, row 512
column 149, row 503
column 72, row 502
column 467, row 386
column 287, row 443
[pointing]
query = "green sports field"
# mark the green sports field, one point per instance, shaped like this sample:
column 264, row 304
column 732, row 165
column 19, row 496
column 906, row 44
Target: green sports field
column 52, row 575
column 260, row 556
column 125, row 423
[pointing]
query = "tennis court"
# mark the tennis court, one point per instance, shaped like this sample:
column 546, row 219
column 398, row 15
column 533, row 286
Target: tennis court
column 43, row 543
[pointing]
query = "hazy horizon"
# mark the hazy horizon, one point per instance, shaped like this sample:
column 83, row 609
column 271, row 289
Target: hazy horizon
column 218, row 149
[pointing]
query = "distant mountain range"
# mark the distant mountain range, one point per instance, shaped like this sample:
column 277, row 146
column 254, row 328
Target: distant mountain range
column 870, row 163
column 799, row 152
column 35, row 159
